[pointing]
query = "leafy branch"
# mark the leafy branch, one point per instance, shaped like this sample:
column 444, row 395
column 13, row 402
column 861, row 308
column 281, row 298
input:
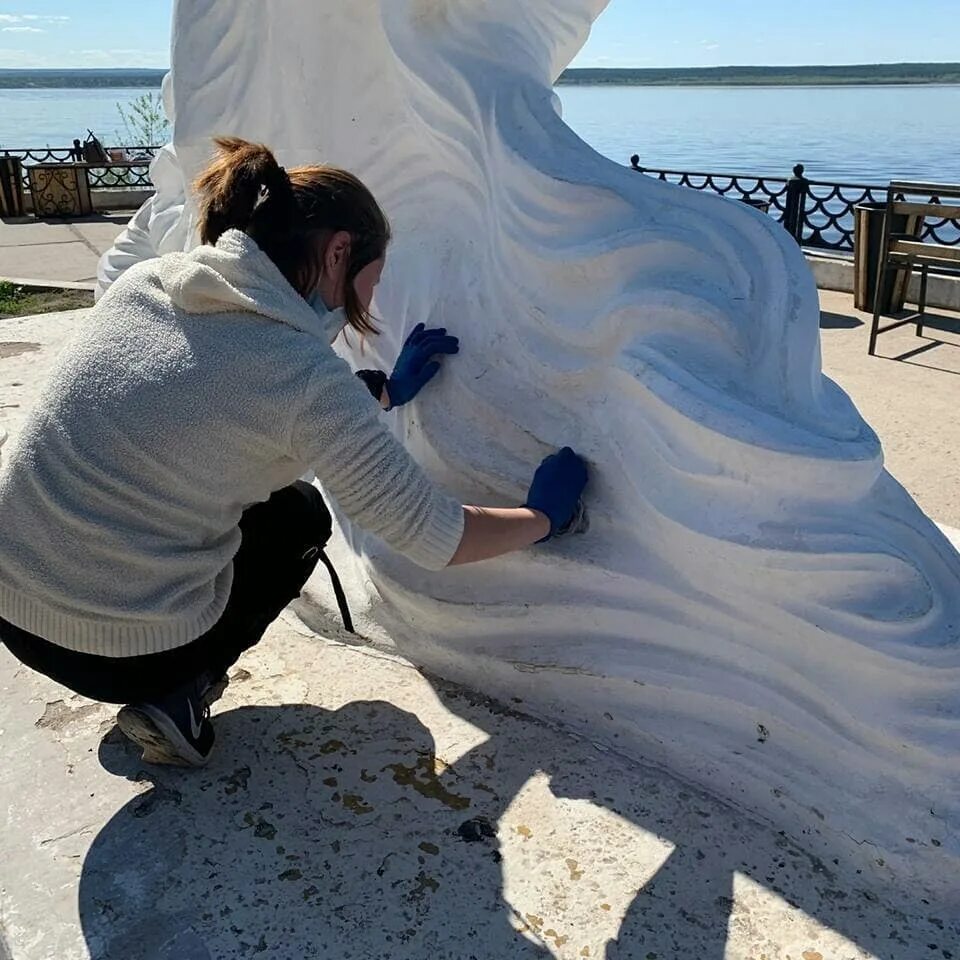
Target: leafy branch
column 144, row 122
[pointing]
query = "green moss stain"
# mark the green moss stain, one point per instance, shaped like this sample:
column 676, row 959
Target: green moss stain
column 236, row 781
column 424, row 885
column 424, row 778
column 428, row 883
column 552, row 934
column 262, row 829
column 356, row 804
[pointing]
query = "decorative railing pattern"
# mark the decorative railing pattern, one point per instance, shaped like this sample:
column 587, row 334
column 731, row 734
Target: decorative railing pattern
column 128, row 174
column 120, row 174
column 946, row 231
column 818, row 213
column 739, row 187
column 43, row 155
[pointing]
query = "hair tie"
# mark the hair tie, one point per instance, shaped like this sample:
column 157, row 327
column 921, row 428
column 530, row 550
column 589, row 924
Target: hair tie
column 263, row 194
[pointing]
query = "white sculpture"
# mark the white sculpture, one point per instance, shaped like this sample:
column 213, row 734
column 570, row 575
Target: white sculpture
column 757, row 605
column 159, row 226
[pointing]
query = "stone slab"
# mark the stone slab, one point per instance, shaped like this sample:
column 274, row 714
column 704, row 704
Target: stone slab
column 100, row 233
column 909, row 393
column 34, row 251
column 29, row 232
column 62, row 260
column 355, row 809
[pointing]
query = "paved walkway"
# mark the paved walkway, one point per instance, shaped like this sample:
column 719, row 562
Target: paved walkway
column 47, row 251
column 909, row 394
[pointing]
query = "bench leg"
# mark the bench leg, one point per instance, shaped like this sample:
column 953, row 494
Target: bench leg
column 922, row 305
column 875, row 328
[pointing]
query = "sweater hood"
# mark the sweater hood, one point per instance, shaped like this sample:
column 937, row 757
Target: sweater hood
column 237, row 276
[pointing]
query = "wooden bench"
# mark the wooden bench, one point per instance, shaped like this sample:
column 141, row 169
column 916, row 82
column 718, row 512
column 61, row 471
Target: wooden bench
column 899, row 251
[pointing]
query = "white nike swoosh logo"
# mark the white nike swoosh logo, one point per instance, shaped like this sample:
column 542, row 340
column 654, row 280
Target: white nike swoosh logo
column 195, row 728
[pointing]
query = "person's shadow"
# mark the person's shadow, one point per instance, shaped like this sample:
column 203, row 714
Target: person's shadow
column 313, row 833
column 340, row 834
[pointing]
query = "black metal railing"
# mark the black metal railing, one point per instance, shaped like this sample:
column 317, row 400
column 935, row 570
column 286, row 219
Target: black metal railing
column 132, row 172
column 129, row 174
column 818, row 213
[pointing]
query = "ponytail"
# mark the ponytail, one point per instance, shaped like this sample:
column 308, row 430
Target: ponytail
column 240, row 187
column 244, row 188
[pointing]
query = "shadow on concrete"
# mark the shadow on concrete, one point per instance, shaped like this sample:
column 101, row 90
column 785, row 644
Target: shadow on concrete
column 103, row 216
column 684, row 912
column 838, row 321
column 942, row 323
column 314, row 833
column 938, row 348
column 910, row 356
column 319, row 833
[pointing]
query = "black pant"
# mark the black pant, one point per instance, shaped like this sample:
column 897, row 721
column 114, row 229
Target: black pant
column 282, row 539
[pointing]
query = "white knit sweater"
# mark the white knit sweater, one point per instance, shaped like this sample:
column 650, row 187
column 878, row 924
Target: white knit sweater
column 201, row 383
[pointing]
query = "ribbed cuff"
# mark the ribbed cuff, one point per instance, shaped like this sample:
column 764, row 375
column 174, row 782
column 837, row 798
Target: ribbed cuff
column 441, row 537
column 375, row 381
column 110, row 638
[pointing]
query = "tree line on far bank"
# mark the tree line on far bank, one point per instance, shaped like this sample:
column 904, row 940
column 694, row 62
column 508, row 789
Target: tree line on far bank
column 885, row 73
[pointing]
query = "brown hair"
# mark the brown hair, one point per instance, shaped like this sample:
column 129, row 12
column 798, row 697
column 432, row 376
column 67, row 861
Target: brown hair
column 290, row 214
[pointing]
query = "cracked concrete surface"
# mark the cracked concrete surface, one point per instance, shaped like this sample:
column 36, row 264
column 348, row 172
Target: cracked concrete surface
column 356, row 809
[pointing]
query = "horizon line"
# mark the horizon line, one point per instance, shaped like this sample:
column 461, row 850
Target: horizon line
column 606, row 66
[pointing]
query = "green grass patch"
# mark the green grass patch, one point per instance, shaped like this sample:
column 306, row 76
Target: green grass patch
column 17, row 301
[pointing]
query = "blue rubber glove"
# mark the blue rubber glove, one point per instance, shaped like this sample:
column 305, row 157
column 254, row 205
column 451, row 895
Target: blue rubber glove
column 415, row 366
column 557, row 488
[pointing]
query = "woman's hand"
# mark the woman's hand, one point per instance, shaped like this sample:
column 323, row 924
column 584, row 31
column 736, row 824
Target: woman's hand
column 416, row 365
column 556, row 490
column 553, row 509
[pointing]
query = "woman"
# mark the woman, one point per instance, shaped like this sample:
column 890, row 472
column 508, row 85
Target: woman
column 153, row 525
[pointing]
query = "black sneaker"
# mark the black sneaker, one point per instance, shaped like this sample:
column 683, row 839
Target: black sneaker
column 175, row 729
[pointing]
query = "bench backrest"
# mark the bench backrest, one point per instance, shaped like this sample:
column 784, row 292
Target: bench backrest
column 944, row 202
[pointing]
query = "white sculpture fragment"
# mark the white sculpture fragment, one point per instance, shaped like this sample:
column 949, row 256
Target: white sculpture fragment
column 757, row 605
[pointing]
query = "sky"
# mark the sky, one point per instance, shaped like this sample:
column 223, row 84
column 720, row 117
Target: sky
column 631, row 33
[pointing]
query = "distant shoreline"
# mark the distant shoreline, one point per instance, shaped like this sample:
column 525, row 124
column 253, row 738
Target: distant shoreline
column 887, row 74
column 80, row 79
column 884, row 74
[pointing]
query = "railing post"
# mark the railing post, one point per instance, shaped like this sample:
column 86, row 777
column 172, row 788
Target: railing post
column 795, row 215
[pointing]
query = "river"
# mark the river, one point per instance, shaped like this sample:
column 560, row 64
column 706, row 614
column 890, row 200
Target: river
column 869, row 134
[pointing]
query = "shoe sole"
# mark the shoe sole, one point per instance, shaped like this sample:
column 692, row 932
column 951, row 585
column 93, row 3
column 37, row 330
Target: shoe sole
column 161, row 742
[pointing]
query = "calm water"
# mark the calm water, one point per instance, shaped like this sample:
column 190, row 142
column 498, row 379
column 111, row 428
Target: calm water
column 42, row 118
column 858, row 133
column 873, row 134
